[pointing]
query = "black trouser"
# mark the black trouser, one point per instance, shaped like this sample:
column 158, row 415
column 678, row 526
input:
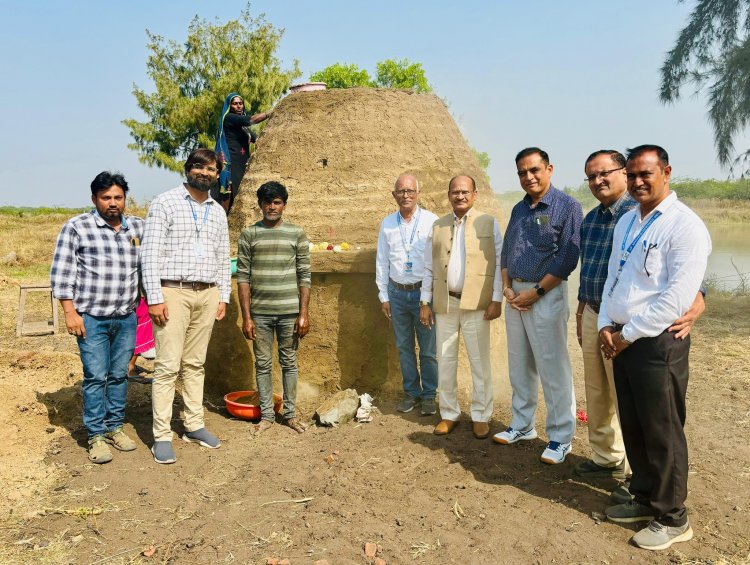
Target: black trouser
column 651, row 378
column 237, row 170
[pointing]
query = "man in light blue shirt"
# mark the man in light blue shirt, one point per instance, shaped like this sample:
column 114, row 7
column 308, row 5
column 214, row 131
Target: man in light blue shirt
column 399, row 269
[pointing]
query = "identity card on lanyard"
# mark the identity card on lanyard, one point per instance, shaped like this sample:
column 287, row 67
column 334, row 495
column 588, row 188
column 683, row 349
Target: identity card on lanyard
column 626, row 253
column 198, row 245
column 408, row 266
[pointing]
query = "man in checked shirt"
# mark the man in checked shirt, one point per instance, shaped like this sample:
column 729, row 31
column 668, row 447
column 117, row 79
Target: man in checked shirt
column 94, row 275
column 607, row 180
column 186, row 274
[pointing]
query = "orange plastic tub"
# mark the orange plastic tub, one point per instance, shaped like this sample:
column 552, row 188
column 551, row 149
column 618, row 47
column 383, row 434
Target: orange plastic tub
column 246, row 410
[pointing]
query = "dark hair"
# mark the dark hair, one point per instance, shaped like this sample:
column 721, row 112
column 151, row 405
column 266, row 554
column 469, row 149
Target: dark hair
column 617, row 157
column 532, row 151
column 202, row 156
column 106, row 180
column 473, row 182
column 661, row 153
column 270, row 190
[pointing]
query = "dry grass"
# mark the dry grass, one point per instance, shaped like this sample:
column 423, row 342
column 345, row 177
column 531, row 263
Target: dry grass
column 720, row 211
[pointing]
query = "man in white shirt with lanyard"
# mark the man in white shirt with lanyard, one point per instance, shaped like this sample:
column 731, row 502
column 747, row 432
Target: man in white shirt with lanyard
column 659, row 255
column 186, row 275
column 399, row 268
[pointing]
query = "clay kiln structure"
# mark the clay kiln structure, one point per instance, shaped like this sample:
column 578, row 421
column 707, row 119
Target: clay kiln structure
column 338, row 152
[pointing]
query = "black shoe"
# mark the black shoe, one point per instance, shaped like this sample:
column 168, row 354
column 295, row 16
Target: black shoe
column 407, row 404
column 589, row 469
column 429, row 407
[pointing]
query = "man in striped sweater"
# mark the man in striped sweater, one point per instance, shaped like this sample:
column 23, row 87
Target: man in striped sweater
column 273, row 282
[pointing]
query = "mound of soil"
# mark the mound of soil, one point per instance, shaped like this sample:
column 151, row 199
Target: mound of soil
column 339, row 152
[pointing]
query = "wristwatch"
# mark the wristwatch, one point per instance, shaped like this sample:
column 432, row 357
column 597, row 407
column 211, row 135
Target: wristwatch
column 424, row 303
column 539, row 290
column 625, row 341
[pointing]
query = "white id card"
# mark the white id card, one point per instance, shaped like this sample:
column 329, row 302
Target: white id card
column 198, row 249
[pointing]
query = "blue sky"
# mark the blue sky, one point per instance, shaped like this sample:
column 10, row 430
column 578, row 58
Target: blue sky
column 570, row 77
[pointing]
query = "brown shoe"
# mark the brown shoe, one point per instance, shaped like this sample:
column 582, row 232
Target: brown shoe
column 444, row 427
column 481, row 430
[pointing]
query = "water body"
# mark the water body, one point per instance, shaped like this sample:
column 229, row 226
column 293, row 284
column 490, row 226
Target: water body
column 731, row 244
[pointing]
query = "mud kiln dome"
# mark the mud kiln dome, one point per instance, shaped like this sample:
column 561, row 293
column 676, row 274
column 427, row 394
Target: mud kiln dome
column 339, row 152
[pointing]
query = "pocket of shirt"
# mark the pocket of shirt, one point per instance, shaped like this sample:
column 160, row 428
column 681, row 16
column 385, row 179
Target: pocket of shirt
column 652, row 262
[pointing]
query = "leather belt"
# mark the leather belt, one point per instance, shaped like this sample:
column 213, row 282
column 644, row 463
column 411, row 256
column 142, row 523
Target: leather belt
column 618, row 327
column 413, row 286
column 188, row 285
column 454, row 294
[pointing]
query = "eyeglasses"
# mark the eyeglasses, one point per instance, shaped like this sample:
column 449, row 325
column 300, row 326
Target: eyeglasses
column 407, row 192
column 212, row 170
column 603, row 174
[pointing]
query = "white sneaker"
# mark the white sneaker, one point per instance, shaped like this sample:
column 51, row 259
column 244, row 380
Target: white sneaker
column 555, row 453
column 512, row 436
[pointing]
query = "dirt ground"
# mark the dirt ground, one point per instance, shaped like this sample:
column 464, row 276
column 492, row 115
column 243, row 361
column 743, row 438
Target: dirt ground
column 323, row 495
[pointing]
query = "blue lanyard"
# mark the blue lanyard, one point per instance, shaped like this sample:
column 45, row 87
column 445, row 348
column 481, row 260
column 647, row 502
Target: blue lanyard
column 626, row 254
column 407, row 248
column 195, row 217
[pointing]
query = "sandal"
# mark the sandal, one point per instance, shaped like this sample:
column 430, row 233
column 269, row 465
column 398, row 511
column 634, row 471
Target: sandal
column 296, row 425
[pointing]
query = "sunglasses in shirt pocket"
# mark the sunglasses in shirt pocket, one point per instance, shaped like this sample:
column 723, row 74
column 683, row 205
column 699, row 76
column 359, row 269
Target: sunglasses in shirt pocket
column 652, row 259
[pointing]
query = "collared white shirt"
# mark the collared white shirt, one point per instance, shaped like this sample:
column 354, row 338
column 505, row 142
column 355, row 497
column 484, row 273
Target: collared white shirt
column 391, row 260
column 185, row 240
column 457, row 261
column 663, row 273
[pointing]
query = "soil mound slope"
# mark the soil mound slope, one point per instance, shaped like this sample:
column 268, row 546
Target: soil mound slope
column 339, row 152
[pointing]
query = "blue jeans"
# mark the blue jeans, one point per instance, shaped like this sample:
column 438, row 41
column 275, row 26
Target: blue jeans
column 283, row 327
column 405, row 318
column 105, row 354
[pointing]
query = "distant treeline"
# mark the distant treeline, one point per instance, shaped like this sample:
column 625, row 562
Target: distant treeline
column 738, row 189
column 22, row 211
column 694, row 189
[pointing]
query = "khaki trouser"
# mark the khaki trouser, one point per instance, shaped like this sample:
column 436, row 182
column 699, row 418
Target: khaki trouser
column 605, row 435
column 181, row 349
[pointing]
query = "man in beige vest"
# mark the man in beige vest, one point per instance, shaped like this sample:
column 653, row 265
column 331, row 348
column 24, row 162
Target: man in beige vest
column 462, row 279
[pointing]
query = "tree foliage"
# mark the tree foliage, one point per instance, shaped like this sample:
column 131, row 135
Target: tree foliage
column 483, row 158
column 341, row 75
column 390, row 74
column 402, row 74
column 192, row 79
column 712, row 53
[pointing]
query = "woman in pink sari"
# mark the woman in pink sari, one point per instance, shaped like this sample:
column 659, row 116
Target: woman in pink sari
column 144, row 341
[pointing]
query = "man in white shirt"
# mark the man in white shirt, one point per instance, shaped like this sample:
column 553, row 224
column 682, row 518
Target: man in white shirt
column 659, row 255
column 399, row 269
column 462, row 279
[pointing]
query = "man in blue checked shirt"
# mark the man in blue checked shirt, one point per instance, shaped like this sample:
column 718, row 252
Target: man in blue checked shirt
column 607, row 180
column 540, row 251
column 94, row 275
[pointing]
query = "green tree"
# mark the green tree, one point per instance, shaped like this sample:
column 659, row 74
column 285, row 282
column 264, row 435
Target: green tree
column 390, row 74
column 193, row 78
column 341, row 75
column 483, row 158
column 402, row 74
column 712, row 52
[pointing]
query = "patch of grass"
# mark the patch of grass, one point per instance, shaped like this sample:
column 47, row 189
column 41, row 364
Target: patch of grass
column 28, row 212
column 727, row 313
